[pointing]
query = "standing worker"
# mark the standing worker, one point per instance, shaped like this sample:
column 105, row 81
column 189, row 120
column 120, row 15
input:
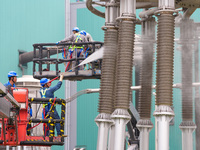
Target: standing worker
column 87, row 35
column 48, row 92
column 12, row 77
column 76, row 37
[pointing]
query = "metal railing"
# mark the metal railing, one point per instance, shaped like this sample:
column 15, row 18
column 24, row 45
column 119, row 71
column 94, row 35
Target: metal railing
column 43, row 51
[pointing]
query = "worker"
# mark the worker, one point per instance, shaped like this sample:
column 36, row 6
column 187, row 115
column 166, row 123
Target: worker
column 12, row 77
column 48, row 92
column 87, row 35
column 74, row 50
column 87, row 51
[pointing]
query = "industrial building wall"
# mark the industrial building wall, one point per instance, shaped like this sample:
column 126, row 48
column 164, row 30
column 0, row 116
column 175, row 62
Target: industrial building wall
column 23, row 23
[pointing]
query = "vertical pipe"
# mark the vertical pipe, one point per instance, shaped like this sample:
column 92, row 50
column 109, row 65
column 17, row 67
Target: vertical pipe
column 197, row 100
column 121, row 117
column 103, row 120
column 106, row 95
column 40, row 62
column 164, row 70
column 187, row 125
column 34, row 56
column 111, row 137
column 124, row 64
column 145, row 125
column 103, row 127
column 48, row 56
column 69, row 142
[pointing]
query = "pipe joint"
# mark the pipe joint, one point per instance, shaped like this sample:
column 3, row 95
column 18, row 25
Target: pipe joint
column 145, row 123
column 103, row 117
column 163, row 110
column 112, row 12
column 126, row 18
column 166, row 11
column 121, row 113
column 109, row 26
column 166, row 4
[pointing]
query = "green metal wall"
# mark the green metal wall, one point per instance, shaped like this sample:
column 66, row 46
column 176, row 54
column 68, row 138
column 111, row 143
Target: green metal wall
column 23, row 23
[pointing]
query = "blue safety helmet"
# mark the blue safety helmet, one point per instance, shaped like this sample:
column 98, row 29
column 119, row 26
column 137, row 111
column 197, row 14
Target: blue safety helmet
column 83, row 32
column 76, row 29
column 12, row 74
column 43, row 81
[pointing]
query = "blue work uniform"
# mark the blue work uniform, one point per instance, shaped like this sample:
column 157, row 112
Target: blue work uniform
column 49, row 93
column 8, row 87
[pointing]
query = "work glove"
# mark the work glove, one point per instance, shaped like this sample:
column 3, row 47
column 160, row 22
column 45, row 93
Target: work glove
column 61, row 77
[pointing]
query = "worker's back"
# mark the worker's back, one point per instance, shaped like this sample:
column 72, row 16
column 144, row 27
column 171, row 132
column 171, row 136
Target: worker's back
column 76, row 38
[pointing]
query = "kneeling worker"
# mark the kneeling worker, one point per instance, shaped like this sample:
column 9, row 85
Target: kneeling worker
column 48, row 92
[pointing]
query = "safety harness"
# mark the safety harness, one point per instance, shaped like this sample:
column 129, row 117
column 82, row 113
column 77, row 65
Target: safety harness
column 74, row 47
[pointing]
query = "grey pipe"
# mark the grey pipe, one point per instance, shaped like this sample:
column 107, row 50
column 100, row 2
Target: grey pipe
column 93, row 10
column 28, row 57
column 147, row 13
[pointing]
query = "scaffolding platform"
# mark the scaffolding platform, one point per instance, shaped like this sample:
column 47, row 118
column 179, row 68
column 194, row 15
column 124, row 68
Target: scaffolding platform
column 42, row 62
column 80, row 75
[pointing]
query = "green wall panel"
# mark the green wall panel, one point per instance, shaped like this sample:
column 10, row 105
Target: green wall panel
column 23, row 23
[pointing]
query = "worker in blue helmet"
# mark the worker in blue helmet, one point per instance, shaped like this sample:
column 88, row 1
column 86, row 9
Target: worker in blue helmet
column 48, row 92
column 74, row 51
column 87, row 35
column 12, row 79
column 75, row 37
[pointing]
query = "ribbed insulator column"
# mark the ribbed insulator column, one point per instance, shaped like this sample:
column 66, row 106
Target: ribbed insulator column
column 108, row 71
column 187, row 98
column 146, row 81
column 124, row 63
column 165, row 58
column 187, row 41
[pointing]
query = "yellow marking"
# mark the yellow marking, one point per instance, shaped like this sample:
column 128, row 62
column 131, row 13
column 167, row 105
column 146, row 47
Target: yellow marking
column 62, row 130
column 50, row 100
column 63, row 118
column 32, row 99
column 49, row 121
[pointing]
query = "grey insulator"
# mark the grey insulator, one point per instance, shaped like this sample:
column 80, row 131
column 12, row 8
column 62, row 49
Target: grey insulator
column 124, row 63
column 108, row 71
column 146, row 81
column 187, row 70
column 165, row 58
column 187, row 98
